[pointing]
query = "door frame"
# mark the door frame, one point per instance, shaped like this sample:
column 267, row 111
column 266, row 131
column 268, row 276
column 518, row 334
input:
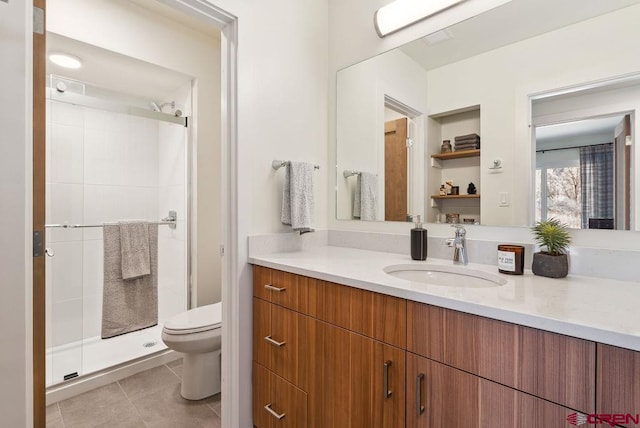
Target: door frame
column 227, row 23
column 38, row 311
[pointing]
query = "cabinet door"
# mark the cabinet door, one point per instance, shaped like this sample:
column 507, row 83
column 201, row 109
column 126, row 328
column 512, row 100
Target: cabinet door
column 276, row 402
column 618, row 386
column 439, row 395
column 357, row 381
column 501, row 406
column 552, row 366
column 281, row 341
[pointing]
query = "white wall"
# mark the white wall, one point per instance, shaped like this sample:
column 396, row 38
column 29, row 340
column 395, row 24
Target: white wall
column 171, row 45
column 282, row 114
column 15, row 202
column 545, row 71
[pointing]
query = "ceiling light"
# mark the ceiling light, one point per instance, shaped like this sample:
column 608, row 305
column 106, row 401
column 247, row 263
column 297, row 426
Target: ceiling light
column 65, row 60
column 402, row 13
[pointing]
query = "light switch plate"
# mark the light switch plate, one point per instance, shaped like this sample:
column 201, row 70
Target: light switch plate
column 504, row 199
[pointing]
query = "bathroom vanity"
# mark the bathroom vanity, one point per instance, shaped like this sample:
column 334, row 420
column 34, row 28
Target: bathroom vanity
column 337, row 342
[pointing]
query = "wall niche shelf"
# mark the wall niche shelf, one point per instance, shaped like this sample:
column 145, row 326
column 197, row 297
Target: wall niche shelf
column 459, row 167
column 457, row 155
column 476, row 196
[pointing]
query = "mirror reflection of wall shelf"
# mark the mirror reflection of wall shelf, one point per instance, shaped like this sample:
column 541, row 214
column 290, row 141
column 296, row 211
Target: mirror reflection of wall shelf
column 460, row 167
column 476, row 196
column 436, row 158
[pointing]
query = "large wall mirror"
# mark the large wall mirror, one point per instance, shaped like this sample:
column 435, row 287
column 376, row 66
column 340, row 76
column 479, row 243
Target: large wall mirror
column 526, row 112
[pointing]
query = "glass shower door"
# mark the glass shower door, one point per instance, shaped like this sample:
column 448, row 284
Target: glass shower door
column 64, row 189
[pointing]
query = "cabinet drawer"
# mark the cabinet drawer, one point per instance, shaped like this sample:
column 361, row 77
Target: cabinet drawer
column 276, row 402
column 282, row 288
column 375, row 315
column 552, row 366
column 280, row 341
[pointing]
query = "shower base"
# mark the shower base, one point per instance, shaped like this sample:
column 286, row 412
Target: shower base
column 96, row 354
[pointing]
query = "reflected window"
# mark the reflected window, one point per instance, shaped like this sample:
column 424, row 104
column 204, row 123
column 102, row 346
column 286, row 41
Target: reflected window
column 560, row 188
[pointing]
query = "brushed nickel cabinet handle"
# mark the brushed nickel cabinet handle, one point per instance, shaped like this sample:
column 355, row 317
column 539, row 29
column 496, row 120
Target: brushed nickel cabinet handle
column 272, row 288
column 419, row 406
column 385, row 375
column 274, row 342
column 273, row 413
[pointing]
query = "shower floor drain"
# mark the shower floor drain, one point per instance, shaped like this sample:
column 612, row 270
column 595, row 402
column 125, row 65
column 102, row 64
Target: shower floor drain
column 149, row 344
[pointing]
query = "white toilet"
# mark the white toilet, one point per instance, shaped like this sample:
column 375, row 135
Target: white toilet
column 197, row 333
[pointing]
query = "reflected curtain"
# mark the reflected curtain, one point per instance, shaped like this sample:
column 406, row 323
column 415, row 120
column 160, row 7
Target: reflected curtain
column 597, row 175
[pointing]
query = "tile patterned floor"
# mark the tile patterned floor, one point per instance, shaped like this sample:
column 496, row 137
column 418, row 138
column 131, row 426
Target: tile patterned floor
column 148, row 399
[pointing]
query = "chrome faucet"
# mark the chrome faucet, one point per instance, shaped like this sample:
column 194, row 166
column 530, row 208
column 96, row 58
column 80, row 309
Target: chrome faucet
column 459, row 245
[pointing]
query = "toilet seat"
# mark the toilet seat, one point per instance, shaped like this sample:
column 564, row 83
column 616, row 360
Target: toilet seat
column 195, row 320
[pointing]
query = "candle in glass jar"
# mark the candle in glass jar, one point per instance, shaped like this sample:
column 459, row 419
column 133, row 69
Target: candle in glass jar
column 511, row 259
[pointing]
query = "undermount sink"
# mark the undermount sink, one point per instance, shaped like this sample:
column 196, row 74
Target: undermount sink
column 445, row 275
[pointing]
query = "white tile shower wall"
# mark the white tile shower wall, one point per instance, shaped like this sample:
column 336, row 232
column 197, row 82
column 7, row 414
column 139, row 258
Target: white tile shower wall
column 104, row 167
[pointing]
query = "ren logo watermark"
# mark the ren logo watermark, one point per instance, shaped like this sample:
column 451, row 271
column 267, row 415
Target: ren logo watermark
column 603, row 419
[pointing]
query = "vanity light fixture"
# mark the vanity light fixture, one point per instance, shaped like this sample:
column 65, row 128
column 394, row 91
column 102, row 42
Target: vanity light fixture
column 402, row 13
column 65, row 60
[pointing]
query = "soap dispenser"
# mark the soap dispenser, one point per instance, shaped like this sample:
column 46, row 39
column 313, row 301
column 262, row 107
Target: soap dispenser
column 418, row 241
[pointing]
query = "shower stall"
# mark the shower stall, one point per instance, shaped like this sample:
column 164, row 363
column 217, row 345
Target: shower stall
column 110, row 157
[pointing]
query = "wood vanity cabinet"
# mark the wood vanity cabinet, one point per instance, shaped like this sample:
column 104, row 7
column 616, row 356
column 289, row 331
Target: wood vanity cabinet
column 618, row 385
column 332, row 356
column 339, row 349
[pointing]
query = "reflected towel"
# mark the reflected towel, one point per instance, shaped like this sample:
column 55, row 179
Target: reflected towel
column 128, row 305
column 134, row 243
column 297, row 197
column 467, row 137
column 365, row 197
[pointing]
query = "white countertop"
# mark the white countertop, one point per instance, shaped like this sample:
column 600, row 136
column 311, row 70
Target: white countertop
column 597, row 309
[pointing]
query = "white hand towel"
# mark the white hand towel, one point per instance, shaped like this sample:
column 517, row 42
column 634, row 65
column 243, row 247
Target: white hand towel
column 368, row 196
column 297, row 197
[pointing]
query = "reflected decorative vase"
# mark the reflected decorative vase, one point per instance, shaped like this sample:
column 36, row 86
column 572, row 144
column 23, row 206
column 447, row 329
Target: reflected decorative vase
column 550, row 266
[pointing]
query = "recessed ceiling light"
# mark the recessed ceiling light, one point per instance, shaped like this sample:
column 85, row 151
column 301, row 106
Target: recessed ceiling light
column 65, row 60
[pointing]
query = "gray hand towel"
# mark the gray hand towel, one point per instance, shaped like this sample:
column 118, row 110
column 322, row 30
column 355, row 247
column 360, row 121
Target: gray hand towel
column 134, row 244
column 357, row 196
column 297, row 197
column 128, row 305
column 368, row 196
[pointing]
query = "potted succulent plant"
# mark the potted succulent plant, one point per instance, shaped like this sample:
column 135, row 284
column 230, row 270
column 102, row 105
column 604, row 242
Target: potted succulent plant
column 554, row 237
